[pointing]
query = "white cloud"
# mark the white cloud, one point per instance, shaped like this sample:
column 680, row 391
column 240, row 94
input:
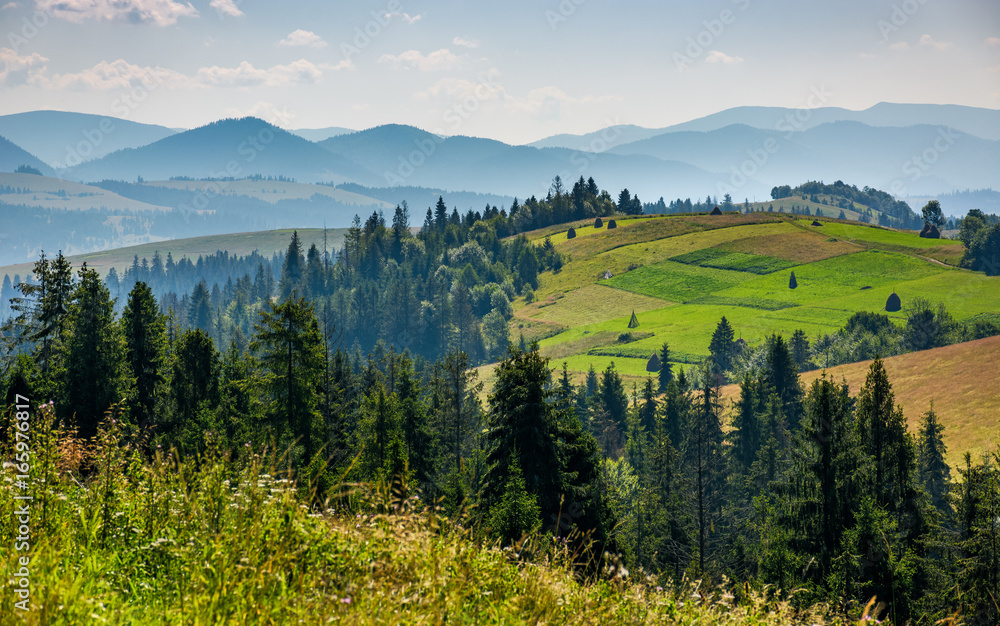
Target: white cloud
column 940, row 46
column 11, row 61
column 226, row 7
column 246, row 75
column 270, row 113
column 442, row 59
column 714, row 56
column 993, row 41
column 9, row 5
column 159, row 12
column 406, row 17
column 118, row 74
column 303, row 38
column 899, row 46
column 465, row 43
column 458, row 89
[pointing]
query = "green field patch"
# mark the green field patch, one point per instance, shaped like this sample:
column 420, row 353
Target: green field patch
column 836, row 278
column 879, row 235
column 765, row 304
column 676, row 281
column 737, row 261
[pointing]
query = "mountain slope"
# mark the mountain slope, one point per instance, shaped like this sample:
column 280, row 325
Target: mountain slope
column 13, row 156
column 902, row 160
column 227, row 148
column 408, row 156
column 979, row 122
column 62, row 138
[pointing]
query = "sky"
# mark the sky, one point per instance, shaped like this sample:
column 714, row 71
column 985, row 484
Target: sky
column 515, row 70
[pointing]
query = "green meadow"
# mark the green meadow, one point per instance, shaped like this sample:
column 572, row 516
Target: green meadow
column 741, row 270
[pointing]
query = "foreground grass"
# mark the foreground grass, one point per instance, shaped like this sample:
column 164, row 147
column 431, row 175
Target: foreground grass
column 219, row 541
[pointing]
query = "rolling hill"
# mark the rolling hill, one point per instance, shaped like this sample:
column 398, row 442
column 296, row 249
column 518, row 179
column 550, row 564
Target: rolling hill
column 405, row 155
column 13, row 156
column 228, row 148
column 979, row 122
column 682, row 273
column 240, row 244
column 62, row 138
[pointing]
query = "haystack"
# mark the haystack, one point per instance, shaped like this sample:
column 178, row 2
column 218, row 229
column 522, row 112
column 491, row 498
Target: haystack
column 612, row 224
column 653, row 364
column 792, row 283
column 571, row 233
column 607, row 274
column 930, row 231
column 598, row 223
column 815, row 223
column 634, row 322
column 716, row 211
column 893, row 304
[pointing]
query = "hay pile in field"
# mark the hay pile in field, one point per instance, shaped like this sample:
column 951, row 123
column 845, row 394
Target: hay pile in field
column 634, row 322
column 571, row 233
column 815, row 223
column 612, row 224
column 893, row 303
column 598, row 223
column 930, row 231
column 866, row 287
column 716, row 211
column 653, row 364
column 792, row 283
column 607, row 274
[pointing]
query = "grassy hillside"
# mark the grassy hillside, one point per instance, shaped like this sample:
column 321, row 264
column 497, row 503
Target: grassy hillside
column 273, row 191
column 55, row 193
column 960, row 380
column 682, row 273
column 240, row 244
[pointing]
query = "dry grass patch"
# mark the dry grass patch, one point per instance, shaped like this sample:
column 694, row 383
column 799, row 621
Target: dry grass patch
column 962, row 380
column 590, row 305
column 794, row 246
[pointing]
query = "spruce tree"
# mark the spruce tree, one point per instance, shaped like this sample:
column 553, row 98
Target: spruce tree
column 521, row 423
column 145, row 351
column 933, row 471
column 290, row 348
column 92, row 375
column 666, row 373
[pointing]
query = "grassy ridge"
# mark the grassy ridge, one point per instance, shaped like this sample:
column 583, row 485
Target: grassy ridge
column 738, row 266
column 267, row 242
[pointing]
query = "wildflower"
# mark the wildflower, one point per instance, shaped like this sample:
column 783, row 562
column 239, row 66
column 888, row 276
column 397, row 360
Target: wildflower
column 658, row 588
column 345, row 600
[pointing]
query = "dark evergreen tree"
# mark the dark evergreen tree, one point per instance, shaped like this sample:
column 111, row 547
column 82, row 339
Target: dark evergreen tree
column 145, row 350
column 666, row 373
column 93, row 368
column 290, row 348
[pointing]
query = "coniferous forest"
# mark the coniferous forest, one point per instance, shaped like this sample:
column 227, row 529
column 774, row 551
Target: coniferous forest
column 350, row 379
